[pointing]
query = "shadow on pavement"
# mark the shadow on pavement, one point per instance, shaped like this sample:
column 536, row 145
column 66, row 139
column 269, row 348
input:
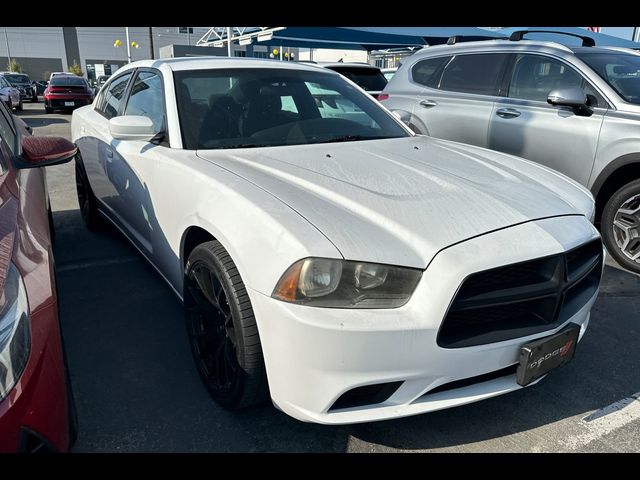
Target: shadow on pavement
column 137, row 388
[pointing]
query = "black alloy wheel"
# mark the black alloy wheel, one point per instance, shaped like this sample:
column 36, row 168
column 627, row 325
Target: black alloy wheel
column 222, row 330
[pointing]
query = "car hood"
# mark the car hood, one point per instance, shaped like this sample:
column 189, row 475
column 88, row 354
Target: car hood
column 400, row 201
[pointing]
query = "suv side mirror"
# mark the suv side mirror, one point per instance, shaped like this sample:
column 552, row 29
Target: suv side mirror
column 572, row 97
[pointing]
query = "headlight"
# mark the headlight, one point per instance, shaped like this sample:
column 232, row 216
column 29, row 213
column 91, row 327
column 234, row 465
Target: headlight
column 326, row 282
column 15, row 331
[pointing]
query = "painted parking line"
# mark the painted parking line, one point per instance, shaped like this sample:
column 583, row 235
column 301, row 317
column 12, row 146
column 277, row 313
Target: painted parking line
column 95, row 264
column 606, row 420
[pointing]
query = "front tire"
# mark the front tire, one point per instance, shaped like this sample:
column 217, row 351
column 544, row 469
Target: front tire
column 620, row 226
column 86, row 199
column 222, row 329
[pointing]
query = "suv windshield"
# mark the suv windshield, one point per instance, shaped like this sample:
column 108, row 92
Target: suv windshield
column 64, row 81
column 16, row 79
column 260, row 107
column 621, row 71
column 370, row 79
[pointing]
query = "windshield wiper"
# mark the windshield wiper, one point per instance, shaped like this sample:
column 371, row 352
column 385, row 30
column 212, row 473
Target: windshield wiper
column 245, row 145
column 352, row 138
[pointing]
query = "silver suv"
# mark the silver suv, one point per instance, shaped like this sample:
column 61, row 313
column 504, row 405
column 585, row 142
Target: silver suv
column 574, row 109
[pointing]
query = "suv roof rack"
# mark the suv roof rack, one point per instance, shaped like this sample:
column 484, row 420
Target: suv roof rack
column 453, row 39
column 519, row 34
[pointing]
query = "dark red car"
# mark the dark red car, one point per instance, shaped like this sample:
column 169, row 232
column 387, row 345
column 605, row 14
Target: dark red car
column 37, row 412
column 66, row 92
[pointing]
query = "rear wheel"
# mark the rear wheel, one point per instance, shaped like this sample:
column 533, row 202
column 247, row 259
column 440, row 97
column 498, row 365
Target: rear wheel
column 222, row 329
column 48, row 109
column 19, row 107
column 620, row 226
column 86, row 199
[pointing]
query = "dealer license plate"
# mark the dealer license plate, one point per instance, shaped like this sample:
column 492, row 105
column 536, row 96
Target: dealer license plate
column 537, row 358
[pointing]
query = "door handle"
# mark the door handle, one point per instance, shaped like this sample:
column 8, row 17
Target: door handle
column 508, row 113
column 109, row 154
column 428, row 103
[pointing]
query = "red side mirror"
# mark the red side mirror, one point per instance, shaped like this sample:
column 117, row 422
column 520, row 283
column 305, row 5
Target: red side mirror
column 45, row 151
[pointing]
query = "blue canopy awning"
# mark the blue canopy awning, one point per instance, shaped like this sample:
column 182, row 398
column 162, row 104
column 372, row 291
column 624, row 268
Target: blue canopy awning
column 373, row 38
column 601, row 39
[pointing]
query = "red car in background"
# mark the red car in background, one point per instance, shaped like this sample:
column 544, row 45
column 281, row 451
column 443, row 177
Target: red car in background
column 37, row 411
column 66, row 92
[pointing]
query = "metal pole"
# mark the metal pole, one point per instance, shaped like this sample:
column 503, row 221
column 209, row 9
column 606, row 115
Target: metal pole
column 151, row 42
column 189, row 35
column 636, row 34
column 311, row 54
column 128, row 45
column 280, row 52
column 6, row 39
column 228, row 41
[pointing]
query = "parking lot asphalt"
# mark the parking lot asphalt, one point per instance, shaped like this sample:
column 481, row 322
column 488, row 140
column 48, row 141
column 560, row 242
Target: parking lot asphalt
column 137, row 389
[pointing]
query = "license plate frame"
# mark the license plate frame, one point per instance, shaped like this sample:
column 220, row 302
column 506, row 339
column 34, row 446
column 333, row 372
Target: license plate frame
column 539, row 357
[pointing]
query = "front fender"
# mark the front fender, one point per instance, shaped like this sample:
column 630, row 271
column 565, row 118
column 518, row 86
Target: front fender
column 263, row 235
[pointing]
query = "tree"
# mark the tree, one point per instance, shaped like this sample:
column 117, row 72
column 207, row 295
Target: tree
column 75, row 69
column 14, row 66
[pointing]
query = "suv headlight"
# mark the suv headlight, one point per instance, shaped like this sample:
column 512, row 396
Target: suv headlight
column 15, row 331
column 326, row 282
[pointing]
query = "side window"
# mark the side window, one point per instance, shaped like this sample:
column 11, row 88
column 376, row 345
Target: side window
column 113, row 96
column 479, row 74
column 147, row 99
column 6, row 131
column 534, row 76
column 428, row 72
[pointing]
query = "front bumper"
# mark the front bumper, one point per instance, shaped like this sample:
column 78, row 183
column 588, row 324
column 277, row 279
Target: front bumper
column 37, row 406
column 314, row 355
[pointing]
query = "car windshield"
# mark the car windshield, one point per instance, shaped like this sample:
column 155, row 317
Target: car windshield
column 621, row 71
column 64, row 81
column 15, row 79
column 370, row 79
column 261, row 107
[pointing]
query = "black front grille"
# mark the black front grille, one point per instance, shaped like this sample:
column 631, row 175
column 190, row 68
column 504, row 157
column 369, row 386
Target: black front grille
column 522, row 299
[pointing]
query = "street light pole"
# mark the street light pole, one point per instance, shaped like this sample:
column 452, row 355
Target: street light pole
column 228, row 41
column 128, row 45
column 6, row 39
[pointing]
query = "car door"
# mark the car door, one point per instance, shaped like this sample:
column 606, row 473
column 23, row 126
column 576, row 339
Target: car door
column 524, row 124
column 457, row 101
column 95, row 143
column 134, row 162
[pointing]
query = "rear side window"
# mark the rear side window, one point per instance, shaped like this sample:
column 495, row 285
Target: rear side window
column 428, row 72
column 112, row 99
column 480, row 74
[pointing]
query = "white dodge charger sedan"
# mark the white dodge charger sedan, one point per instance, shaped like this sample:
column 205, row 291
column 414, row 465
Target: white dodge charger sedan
column 326, row 256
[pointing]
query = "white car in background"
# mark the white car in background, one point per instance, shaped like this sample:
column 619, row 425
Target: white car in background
column 348, row 268
column 10, row 95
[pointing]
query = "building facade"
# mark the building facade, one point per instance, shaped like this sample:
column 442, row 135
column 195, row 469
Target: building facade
column 42, row 50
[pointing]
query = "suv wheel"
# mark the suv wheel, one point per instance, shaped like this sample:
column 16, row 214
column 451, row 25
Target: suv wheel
column 620, row 226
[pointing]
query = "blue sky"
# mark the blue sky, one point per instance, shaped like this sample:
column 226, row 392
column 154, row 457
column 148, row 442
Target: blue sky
column 622, row 32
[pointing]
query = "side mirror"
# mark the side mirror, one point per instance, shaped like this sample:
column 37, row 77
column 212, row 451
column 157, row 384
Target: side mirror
column 132, row 127
column 44, row 151
column 404, row 117
column 572, row 97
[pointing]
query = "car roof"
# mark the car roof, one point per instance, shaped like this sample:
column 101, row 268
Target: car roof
column 203, row 63
column 348, row 64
